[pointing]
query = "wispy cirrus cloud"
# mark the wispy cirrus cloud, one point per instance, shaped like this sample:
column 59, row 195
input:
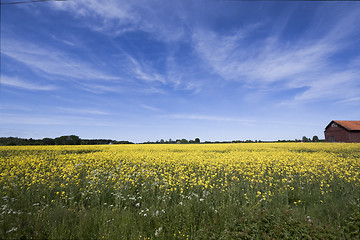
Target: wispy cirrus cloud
column 262, row 62
column 144, row 72
column 337, row 85
column 116, row 17
column 31, row 120
column 138, row 75
column 238, row 120
column 350, row 101
column 148, row 107
column 56, row 120
column 210, row 118
column 184, row 75
column 307, row 62
column 172, row 75
column 27, row 85
column 52, row 61
column 83, row 111
column 113, row 18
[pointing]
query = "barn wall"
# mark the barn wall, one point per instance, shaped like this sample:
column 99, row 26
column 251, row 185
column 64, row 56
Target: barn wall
column 355, row 137
column 338, row 134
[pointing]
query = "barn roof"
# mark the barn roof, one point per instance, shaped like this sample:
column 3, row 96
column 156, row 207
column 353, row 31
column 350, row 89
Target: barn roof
column 348, row 125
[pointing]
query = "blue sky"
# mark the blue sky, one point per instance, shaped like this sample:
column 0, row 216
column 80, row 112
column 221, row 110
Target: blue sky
column 150, row 70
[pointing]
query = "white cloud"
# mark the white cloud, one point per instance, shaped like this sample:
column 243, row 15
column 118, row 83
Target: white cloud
column 135, row 74
column 107, row 9
column 153, row 80
column 242, row 121
column 86, row 111
column 116, row 16
column 102, row 88
column 16, row 107
column 338, row 85
column 308, row 62
column 353, row 101
column 51, row 61
column 263, row 62
column 151, row 108
column 210, row 118
column 183, row 76
column 19, row 83
column 26, row 119
column 30, row 120
column 144, row 71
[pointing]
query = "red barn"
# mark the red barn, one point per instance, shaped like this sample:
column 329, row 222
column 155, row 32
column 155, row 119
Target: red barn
column 343, row 131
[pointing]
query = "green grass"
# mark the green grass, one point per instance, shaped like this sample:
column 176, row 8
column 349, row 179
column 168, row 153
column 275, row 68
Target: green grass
column 156, row 216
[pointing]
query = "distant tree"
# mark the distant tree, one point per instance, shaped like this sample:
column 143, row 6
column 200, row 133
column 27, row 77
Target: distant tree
column 183, row 140
column 197, row 140
column 30, row 141
column 75, row 140
column 68, row 140
column 315, row 138
column 60, row 140
column 305, row 139
column 48, row 141
column 11, row 143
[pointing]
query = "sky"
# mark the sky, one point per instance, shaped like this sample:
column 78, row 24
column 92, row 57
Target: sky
column 149, row 70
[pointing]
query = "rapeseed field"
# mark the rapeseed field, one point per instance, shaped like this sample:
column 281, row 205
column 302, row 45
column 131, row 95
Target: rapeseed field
column 173, row 191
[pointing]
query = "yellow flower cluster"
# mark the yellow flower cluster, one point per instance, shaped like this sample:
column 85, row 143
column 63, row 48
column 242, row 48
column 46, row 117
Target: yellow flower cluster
column 267, row 168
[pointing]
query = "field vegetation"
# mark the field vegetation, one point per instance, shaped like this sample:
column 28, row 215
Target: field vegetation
column 199, row 191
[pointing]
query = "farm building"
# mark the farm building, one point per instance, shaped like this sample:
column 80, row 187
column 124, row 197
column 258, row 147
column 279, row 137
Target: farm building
column 343, row 131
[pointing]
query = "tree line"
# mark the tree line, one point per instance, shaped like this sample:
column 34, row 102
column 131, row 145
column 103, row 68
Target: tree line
column 75, row 140
column 314, row 139
column 63, row 140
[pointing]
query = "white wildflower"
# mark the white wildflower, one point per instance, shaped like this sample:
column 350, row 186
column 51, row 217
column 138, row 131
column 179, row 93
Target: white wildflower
column 11, row 230
column 157, row 231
